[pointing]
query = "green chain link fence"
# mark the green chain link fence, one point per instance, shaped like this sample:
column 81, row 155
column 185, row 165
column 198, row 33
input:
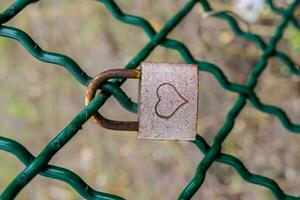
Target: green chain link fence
column 39, row 165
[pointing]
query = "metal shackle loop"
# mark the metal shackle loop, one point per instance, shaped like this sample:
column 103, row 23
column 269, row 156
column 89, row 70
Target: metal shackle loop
column 95, row 85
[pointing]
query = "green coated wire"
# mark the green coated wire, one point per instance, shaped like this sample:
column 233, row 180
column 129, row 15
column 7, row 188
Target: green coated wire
column 44, row 56
column 72, row 128
column 280, row 11
column 213, row 153
column 80, row 75
column 14, row 9
column 243, row 171
column 39, row 164
column 211, row 68
column 55, row 172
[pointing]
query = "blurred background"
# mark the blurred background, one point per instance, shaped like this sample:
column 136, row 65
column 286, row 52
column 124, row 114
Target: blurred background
column 38, row 100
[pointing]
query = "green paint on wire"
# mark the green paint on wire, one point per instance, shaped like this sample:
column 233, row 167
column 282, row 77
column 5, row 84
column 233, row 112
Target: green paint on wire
column 39, row 165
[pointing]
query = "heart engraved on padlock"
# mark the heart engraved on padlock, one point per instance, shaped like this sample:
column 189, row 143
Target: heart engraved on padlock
column 168, row 101
column 173, row 107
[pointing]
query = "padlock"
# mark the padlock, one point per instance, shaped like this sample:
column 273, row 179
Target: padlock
column 167, row 105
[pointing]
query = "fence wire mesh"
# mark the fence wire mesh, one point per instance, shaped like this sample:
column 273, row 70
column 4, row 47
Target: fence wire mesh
column 212, row 153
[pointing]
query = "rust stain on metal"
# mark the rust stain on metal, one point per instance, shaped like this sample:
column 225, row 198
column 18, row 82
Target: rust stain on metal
column 91, row 92
column 168, row 103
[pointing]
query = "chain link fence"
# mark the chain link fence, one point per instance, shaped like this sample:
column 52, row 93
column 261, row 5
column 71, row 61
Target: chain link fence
column 212, row 153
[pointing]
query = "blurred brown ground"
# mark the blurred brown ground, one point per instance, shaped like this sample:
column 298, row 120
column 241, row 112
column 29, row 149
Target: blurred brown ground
column 38, row 100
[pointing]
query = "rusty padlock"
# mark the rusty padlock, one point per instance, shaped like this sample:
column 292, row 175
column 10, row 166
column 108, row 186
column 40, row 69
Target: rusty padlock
column 168, row 101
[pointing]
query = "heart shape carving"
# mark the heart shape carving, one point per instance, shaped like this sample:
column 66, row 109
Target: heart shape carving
column 169, row 100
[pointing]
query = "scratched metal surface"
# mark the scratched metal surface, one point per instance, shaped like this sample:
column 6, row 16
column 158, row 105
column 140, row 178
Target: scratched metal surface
column 168, row 101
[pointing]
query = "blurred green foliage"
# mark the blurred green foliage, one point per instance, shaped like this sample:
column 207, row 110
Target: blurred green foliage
column 293, row 37
column 19, row 108
column 3, row 49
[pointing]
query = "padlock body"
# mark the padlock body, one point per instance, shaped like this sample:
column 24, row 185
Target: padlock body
column 168, row 101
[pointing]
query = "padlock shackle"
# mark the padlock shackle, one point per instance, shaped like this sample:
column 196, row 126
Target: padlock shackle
column 95, row 85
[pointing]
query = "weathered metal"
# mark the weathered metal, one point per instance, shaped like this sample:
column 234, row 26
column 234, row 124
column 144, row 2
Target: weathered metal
column 168, row 103
column 91, row 92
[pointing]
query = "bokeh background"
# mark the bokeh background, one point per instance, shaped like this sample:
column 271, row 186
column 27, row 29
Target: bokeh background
column 37, row 100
